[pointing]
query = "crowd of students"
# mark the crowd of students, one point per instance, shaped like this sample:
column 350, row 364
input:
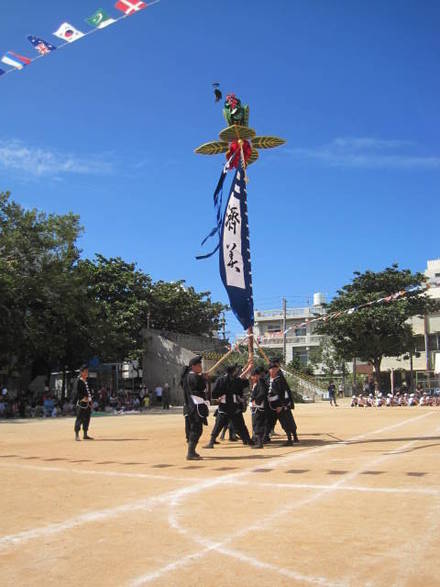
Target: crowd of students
column 48, row 405
column 400, row 397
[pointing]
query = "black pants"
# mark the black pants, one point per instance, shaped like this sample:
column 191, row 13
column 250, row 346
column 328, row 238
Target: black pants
column 271, row 420
column 82, row 419
column 193, row 428
column 259, row 423
column 238, row 423
column 228, row 426
column 287, row 422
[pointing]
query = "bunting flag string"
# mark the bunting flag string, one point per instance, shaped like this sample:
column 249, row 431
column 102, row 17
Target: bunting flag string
column 386, row 300
column 69, row 34
column 391, row 298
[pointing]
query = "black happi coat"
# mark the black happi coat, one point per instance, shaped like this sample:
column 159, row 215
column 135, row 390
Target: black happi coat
column 193, row 384
column 259, row 395
column 279, row 394
column 80, row 392
column 229, row 390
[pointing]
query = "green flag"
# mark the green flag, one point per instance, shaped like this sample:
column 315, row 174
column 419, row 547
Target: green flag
column 100, row 19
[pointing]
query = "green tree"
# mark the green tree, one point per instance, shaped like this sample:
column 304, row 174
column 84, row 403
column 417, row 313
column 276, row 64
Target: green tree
column 327, row 357
column 57, row 310
column 177, row 307
column 126, row 301
column 120, row 294
column 38, row 297
column 377, row 330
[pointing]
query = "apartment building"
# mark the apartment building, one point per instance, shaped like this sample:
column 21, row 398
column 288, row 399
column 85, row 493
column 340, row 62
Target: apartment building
column 427, row 331
column 301, row 336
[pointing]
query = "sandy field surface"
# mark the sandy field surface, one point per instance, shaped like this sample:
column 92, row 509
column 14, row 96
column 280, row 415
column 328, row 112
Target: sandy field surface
column 356, row 503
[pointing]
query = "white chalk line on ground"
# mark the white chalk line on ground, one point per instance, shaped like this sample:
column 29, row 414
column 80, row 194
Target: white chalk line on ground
column 148, row 503
column 85, row 472
column 253, row 483
column 219, row 546
column 412, row 555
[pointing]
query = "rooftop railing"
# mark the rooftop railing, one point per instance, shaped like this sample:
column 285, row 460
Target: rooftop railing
column 291, row 313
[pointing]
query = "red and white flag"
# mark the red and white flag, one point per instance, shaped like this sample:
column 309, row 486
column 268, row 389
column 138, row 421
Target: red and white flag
column 130, row 6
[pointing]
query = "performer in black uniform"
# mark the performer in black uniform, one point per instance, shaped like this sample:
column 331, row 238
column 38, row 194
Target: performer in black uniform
column 228, row 389
column 195, row 405
column 260, row 406
column 281, row 402
column 83, row 399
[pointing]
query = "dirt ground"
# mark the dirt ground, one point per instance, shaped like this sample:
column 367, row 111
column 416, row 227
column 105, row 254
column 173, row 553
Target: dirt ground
column 356, row 503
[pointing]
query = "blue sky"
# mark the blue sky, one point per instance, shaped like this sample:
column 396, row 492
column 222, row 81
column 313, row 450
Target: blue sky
column 106, row 127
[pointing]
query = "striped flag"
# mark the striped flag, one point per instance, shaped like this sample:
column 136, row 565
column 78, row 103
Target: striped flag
column 15, row 60
column 235, row 254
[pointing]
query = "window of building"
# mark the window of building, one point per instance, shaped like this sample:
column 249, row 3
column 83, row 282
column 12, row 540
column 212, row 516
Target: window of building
column 300, row 331
column 273, row 328
column 302, row 355
column 420, row 343
column 434, row 342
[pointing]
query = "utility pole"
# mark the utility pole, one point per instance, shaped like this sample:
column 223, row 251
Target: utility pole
column 284, row 329
column 426, row 337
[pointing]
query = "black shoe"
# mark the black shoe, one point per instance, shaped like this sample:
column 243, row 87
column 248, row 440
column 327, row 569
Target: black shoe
column 288, row 443
column 295, row 438
column 216, row 442
column 251, row 442
column 233, row 439
column 209, row 445
column 87, row 437
column 193, row 457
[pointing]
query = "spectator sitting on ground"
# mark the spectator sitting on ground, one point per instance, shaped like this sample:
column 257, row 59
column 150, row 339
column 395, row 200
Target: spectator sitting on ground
column 67, row 408
column 113, row 400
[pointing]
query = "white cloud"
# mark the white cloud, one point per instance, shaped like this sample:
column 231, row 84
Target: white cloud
column 39, row 162
column 368, row 153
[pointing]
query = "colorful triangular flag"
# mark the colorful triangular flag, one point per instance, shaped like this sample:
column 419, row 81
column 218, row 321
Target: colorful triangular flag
column 43, row 47
column 100, row 19
column 130, row 6
column 68, row 33
column 15, row 60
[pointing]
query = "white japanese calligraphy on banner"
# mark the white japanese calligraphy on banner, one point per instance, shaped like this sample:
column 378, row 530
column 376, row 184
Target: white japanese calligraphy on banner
column 232, row 255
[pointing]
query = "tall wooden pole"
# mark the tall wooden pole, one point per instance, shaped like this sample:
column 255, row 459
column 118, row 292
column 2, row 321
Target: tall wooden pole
column 250, row 345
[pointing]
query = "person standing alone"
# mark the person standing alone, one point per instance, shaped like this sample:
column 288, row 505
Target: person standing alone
column 332, row 394
column 83, row 400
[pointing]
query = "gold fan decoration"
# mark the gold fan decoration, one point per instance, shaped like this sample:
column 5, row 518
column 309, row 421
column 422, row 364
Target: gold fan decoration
column 235, row 113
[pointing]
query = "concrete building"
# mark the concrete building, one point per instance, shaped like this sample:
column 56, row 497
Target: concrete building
column 166, row 353
column 300, row 338
column 427, row 331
